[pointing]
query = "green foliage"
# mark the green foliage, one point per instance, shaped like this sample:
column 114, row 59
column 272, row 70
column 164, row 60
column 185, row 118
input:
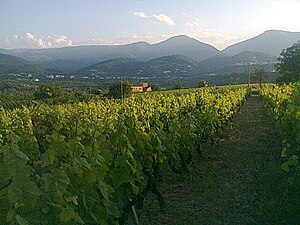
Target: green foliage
column 259, row 75
column 98, row 92
column 178, row 85
column 14, row 100
column 289, row 64
column 120, row 90
column 202, row 83
column 284, row 102
column 53, row 95
column 48, row 91
column 155, row 87
column 87, row 162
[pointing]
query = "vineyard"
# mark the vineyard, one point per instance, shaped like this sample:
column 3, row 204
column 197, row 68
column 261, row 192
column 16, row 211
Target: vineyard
column 94, row 162
column 284, row 104
column 89, row 163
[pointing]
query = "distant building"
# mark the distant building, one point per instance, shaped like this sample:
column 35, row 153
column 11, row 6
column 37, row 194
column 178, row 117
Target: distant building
column 139, row 88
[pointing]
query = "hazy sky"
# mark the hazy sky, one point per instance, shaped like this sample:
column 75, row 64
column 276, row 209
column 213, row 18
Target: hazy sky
column 55, row 23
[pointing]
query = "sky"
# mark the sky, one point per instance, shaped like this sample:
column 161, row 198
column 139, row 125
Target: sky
column 59, row 23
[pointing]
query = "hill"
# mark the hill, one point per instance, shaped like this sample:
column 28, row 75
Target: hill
column 238, row 62
column 12, row 64
column 270, row 42
column 4, row 51
column 175, row 65
column 114, row 67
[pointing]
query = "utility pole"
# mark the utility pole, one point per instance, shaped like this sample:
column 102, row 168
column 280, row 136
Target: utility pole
column 249, row 76
column 121, row 83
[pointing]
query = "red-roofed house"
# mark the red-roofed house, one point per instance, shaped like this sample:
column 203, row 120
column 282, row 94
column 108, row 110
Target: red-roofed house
column 138, row 88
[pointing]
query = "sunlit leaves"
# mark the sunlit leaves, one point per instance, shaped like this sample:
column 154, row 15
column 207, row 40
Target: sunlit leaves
column 78, row 163
column 284, row 102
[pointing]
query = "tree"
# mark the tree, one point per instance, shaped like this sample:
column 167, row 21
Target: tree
column 48, row 91
column 289, row 64
column 202, row 83
column 97, row 92
column 52, row 94
column 259, row 75
column 119, row 90
column 178, row 85
column 155, row 87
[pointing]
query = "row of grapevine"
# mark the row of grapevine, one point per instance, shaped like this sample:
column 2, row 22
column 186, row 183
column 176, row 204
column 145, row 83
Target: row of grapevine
column 284, row 102
column 88, row 163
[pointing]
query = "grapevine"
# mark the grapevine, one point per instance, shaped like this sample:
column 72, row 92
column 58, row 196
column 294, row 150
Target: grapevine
column 89, row 162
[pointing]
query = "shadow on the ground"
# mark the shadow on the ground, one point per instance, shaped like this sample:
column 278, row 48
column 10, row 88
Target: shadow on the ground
column 238, row 182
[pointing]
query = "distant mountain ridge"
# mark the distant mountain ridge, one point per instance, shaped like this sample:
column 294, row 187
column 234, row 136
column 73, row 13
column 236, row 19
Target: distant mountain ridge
column 271, row 42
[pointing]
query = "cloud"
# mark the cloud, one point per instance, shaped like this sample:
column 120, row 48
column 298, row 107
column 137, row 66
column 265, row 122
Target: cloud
column 139, row 14
column 29, row 36
column 37, row 42
column 192, row 20
column 192, row 24
column 29, row 40
column 162, row 18
column 59, row 40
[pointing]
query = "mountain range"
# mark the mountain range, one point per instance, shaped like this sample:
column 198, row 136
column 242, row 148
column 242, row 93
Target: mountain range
column 70, row 59
column 177, row 56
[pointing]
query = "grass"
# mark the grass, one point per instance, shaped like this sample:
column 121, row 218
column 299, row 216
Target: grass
column 238, row 181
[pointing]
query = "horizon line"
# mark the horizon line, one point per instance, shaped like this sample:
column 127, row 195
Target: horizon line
column 154, row 43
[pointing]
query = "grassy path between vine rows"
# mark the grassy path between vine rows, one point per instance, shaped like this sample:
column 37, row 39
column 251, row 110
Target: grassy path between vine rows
column 238, row 182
